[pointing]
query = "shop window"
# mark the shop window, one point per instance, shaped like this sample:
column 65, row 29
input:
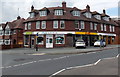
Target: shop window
column 26, row 40
column 40, row 39
column 60, row 39
column 7, row 42
column 14, row 41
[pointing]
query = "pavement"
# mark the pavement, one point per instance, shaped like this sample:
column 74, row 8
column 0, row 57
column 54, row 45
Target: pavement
column 104, row 67
column 63, row 50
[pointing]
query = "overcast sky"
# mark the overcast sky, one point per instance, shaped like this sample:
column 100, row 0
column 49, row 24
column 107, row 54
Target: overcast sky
column 9, row 8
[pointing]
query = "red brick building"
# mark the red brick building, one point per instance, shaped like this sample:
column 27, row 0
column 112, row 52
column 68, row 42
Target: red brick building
column 62, row 26
column 11, row 34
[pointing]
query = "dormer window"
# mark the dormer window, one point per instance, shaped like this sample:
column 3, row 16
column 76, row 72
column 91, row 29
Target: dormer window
column 88, row 15
column 58, row 12
column 43, row 13
column 32, row 15
column 76, row 13
column 106, row 18
column 97, row 17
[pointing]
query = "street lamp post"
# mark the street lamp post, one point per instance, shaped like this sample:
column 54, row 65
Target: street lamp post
column 37, row 42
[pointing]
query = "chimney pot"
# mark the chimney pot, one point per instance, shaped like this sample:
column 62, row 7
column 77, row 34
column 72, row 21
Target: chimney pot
column 64, row 4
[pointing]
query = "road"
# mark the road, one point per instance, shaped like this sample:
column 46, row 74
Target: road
column 23, row 64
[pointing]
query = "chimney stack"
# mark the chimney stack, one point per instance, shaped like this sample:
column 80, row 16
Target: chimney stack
column 64, row 4
column 88, row 8
column 104, row 11
column 32, row 8
column 18, row 17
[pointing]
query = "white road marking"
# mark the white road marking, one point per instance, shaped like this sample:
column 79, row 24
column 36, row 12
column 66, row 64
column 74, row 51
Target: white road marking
column 37, row 54
column 97, row 62
column 118, row 55
column 8, row 67
column 57, row 72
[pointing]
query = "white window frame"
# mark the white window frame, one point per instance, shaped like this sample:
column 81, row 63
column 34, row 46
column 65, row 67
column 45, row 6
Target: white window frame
column 113, row 28
column 32, row 15
column 62, row 21
column 8, row 32
column 43, row 13
column 82, row 24
column 77, row 25
column 97, row 17
column 105, row 27
column 88, row 15
column 1, row 32
column 110, row 26
column 55, row 24
column 26, row 25
column 62, row 35
column 43, row 26
column 29, row 25
column 102, row 27
column 105, row 18
column 95, row 26
column 91, row 26
column 58, row 12
column 38, row 25
column 8, row 41
column 1, row 42
column 76, row 13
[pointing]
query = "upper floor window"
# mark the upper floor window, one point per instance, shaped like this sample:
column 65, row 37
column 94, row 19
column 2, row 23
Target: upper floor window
column 14, row 31
column 25, row 26
column 110, row 28
column 113, row 28
column 1, row 41
column 104, row 27
column 1, row 32
column 29, row 25
column 101, row 27
column 95, row 26
column 1, row 28
column 58, row 12
column 88, row 15
column 7, row 32
column 82, row 25
column 32, row 15
column 55, row 24
column 91, row 25
column 105, row 18
column 43, row 26
column 76, row 24
column 62, row 24
column 97, row 17
column 38, row 25
column 43, row 13
column 76, row 13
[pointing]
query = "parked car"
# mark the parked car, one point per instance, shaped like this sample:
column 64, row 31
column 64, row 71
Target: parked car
column 80, row 43
column 97, row 43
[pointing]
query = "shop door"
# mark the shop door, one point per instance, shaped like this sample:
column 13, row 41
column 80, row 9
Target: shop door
column 49, row 41
column 32, row 42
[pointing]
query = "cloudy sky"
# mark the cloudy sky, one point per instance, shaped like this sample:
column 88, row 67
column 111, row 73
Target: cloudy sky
column 9, row 8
